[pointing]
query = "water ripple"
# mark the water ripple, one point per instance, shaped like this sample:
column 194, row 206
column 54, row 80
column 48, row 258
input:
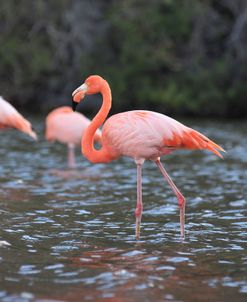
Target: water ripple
column 67, row 234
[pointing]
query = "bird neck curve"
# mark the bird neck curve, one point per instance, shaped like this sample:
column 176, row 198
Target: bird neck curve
column 87, row 143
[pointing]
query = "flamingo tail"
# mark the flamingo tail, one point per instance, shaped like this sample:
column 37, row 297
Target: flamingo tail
column 195, row 140
column 192, row 139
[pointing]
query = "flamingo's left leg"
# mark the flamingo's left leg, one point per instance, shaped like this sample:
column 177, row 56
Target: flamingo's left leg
column 139, row 206
column 180, row 197
column 71, row 156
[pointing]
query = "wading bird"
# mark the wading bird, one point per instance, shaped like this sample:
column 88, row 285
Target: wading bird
column 67, row 127
column 142, row 135
column 11, row 118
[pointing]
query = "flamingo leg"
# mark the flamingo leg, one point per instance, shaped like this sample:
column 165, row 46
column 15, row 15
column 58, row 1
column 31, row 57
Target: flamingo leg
column 139, row 206
column 180, row 197
column 71, row 156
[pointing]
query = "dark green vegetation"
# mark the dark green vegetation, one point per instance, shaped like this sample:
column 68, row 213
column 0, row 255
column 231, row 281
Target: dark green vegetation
column 185, row 56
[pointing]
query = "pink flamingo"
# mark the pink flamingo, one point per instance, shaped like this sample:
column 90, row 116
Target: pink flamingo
column 11, row 118
column 67, row 127
column 142, row 135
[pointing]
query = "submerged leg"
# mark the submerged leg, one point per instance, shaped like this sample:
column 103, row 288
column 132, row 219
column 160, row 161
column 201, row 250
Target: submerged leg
column 180, row 197
column 139, row 207
column 71, row 156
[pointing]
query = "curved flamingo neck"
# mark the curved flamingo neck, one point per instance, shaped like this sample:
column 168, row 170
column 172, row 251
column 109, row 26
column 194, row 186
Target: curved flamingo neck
column 87, row 144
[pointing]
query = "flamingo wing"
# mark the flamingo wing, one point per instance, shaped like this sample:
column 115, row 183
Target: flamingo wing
column 192, row 139
column 147, row 134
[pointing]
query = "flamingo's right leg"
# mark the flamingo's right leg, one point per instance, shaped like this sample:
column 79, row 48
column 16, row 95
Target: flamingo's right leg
column 180, row 197
column 139, row 206
column 71, row 156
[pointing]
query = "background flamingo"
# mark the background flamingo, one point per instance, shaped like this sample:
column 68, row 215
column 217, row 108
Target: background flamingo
column 138, row 134
column 67, row 127
column 11, row 118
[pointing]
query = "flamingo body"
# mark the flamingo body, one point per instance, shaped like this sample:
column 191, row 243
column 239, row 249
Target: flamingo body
column 11, row 118
column 67, row 127
column 138, row 134
column 147, row 135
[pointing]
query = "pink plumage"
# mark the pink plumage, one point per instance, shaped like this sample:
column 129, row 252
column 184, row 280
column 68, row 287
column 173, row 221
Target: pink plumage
column 141, row 135
column 67, row 127
column 11, row 118
column 147, row 135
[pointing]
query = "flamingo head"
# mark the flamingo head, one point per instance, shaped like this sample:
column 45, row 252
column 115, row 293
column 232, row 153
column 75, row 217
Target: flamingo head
column 92, row 85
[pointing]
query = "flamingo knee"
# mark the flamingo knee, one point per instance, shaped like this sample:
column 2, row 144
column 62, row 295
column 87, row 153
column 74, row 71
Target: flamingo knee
column 138, row 211
column 181, row 201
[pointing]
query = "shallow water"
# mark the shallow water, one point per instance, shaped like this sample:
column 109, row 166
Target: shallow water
column 68, row 235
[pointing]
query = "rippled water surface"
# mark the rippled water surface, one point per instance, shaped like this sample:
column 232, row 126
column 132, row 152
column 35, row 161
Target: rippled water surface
column 68, row 235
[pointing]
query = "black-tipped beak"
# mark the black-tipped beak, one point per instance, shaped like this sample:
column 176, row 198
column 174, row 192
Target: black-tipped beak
column 74, row 105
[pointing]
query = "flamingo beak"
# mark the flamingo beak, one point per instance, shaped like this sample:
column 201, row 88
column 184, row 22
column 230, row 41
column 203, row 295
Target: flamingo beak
column 78, row 95
column 74, row 105
column 33, row 135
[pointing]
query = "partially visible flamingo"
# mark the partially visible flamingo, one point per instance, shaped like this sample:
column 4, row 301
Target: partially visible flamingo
column 11, row 118
column 67, row 127
column 138, row 134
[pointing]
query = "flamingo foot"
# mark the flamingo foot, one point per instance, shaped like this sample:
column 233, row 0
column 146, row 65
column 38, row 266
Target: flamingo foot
column 71, row 165
column 182, row 220
column 180, row 197
column 138, row 228
column 71, row 156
